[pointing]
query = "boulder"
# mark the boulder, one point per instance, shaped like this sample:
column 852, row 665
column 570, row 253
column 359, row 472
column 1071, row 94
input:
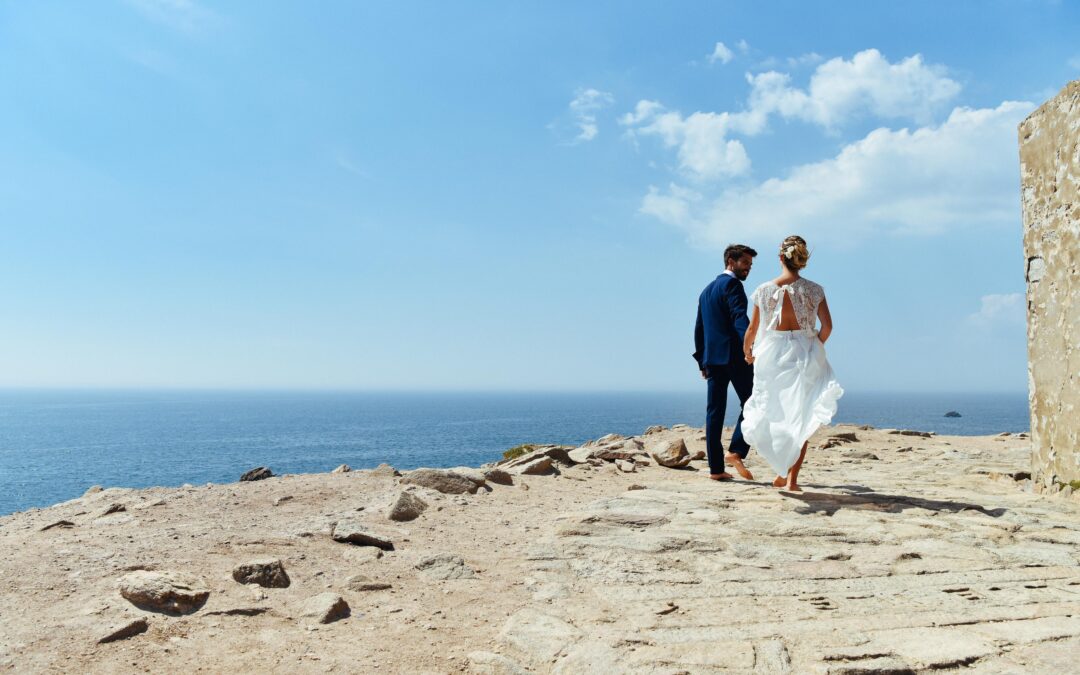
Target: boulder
column 124, row 630
column 440, row 480
column 672, row 454
column 655, row 429
column 624, row 465
column 698, row 456
column 558, row 453
column 498, row 476
column 258, row 473
column 406, row 507
column 622, row 448
column 166, row 592
column 325, row 608
column 266, row 572
column 445, row 566
column 359, row 534
column 605, row 440
column 92, row 490
column 475, row 475
column 538, row 466
column 344, row 468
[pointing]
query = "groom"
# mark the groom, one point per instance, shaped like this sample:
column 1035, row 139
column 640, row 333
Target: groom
column 718, row 338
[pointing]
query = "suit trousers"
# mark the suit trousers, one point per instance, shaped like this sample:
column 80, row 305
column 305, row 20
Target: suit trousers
column 740, row 375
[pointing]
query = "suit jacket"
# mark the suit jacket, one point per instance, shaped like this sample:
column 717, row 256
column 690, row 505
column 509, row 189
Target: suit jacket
column 721, row 323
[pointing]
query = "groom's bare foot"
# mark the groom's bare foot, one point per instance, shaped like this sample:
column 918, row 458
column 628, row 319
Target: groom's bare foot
column 736, row 461
column 794, row 487
column 721, row 476
column 779, row 482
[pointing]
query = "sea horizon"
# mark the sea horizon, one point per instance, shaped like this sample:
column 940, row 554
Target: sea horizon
column 55, row 443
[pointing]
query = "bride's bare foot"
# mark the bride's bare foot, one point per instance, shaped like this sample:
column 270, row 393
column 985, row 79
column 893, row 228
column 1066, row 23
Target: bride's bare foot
column 721, row 476
column 779, row 482
column 737, row 462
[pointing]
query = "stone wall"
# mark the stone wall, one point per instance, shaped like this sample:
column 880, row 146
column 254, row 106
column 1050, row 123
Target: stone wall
column 1050, row 188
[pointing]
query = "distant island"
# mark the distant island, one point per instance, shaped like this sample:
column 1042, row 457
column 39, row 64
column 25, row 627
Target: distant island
column 953, row 413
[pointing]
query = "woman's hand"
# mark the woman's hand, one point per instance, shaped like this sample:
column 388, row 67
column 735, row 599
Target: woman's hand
column 749, row 357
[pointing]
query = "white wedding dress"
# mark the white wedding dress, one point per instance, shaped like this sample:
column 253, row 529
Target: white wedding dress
column 795, row 391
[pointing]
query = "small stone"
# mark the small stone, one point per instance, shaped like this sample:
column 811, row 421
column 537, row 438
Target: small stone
column 698, row 456
column 848, row 436
column 625, row 466
column 278, row 501
column 111, row 508
column 359, row 534
column 655, row 429
column 445, row 566
column 92, row 490
column 325, row 608
column 344, row 468
column 672, row 454
column 635, row 486
column 166, row 592
column 406, row 507
column 124, row 631
column 861, row 455
column 258, row 473
column 266, row 572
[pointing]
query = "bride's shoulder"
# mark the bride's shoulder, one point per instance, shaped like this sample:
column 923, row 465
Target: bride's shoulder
column 814, row 286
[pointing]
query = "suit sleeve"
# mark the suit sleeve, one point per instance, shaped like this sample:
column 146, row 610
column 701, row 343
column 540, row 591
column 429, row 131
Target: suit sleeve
column 735, row 296
column 699, row 339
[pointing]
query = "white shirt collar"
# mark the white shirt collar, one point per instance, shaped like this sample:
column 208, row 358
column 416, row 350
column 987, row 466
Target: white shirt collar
column 730, row 273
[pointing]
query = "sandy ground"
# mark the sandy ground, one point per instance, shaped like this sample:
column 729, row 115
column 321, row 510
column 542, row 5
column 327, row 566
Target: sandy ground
column 904, row 554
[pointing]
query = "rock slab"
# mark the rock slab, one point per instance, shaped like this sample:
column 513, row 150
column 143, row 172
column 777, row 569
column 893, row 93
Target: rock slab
column 440, row 480
column 258, row 473
column 166, row 592
column 444, row 566
column 325, row 608
column 406, row 507
column 359, row 534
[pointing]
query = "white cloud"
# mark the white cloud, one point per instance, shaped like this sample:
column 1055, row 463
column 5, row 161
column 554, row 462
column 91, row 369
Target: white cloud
column 743, row 46
column 808, row 59
column 960, row 173
column 182, row 15
column 1004, row 309
column 721, row 53
column 584, row 107
column 704, row 150
column 840, row 89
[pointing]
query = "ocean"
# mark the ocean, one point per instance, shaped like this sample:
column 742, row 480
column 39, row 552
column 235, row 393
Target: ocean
column 56, row 444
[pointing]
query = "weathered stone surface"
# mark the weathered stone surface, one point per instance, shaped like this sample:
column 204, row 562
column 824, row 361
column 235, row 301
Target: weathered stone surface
column 363, row 583
column 258, row 473
column 344, row 468
column 655, row 429
column 265, row 572
column 166, row 592
column 912, row 432
column 445, row 566
column 59, row 523
column 325, row 608
column 109, row 509
column 558, row 453
column 672, row 454
column 488, row 663
column 124, row 630
column 358, row 533
column 498, row 476
column 406, row 507
column 1050, row 196
column 440, row 480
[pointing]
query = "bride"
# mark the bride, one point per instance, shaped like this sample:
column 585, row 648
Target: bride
column 795, row 391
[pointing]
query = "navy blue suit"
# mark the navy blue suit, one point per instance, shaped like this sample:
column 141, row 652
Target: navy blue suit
column 718, row 339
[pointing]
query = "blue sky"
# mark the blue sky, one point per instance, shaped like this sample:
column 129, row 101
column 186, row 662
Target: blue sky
column 495, row 195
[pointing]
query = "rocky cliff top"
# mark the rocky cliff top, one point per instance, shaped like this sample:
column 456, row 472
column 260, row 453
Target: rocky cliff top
column 906, row 552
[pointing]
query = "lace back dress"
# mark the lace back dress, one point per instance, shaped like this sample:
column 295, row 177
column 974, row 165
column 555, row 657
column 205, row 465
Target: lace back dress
column 795, row 390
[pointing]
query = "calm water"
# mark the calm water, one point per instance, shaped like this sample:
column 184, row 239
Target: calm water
column 53, row 445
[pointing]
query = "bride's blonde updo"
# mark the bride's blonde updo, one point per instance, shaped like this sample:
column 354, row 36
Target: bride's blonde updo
column 793, row 253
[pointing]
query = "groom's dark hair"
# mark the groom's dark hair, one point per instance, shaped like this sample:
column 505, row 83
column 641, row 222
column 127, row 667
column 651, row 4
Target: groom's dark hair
column 736, row 251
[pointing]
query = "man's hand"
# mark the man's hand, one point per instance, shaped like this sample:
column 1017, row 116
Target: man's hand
column 749, row 357
column 704, row 376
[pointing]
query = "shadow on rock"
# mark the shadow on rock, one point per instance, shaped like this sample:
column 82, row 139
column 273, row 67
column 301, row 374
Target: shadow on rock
column 820, row 502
